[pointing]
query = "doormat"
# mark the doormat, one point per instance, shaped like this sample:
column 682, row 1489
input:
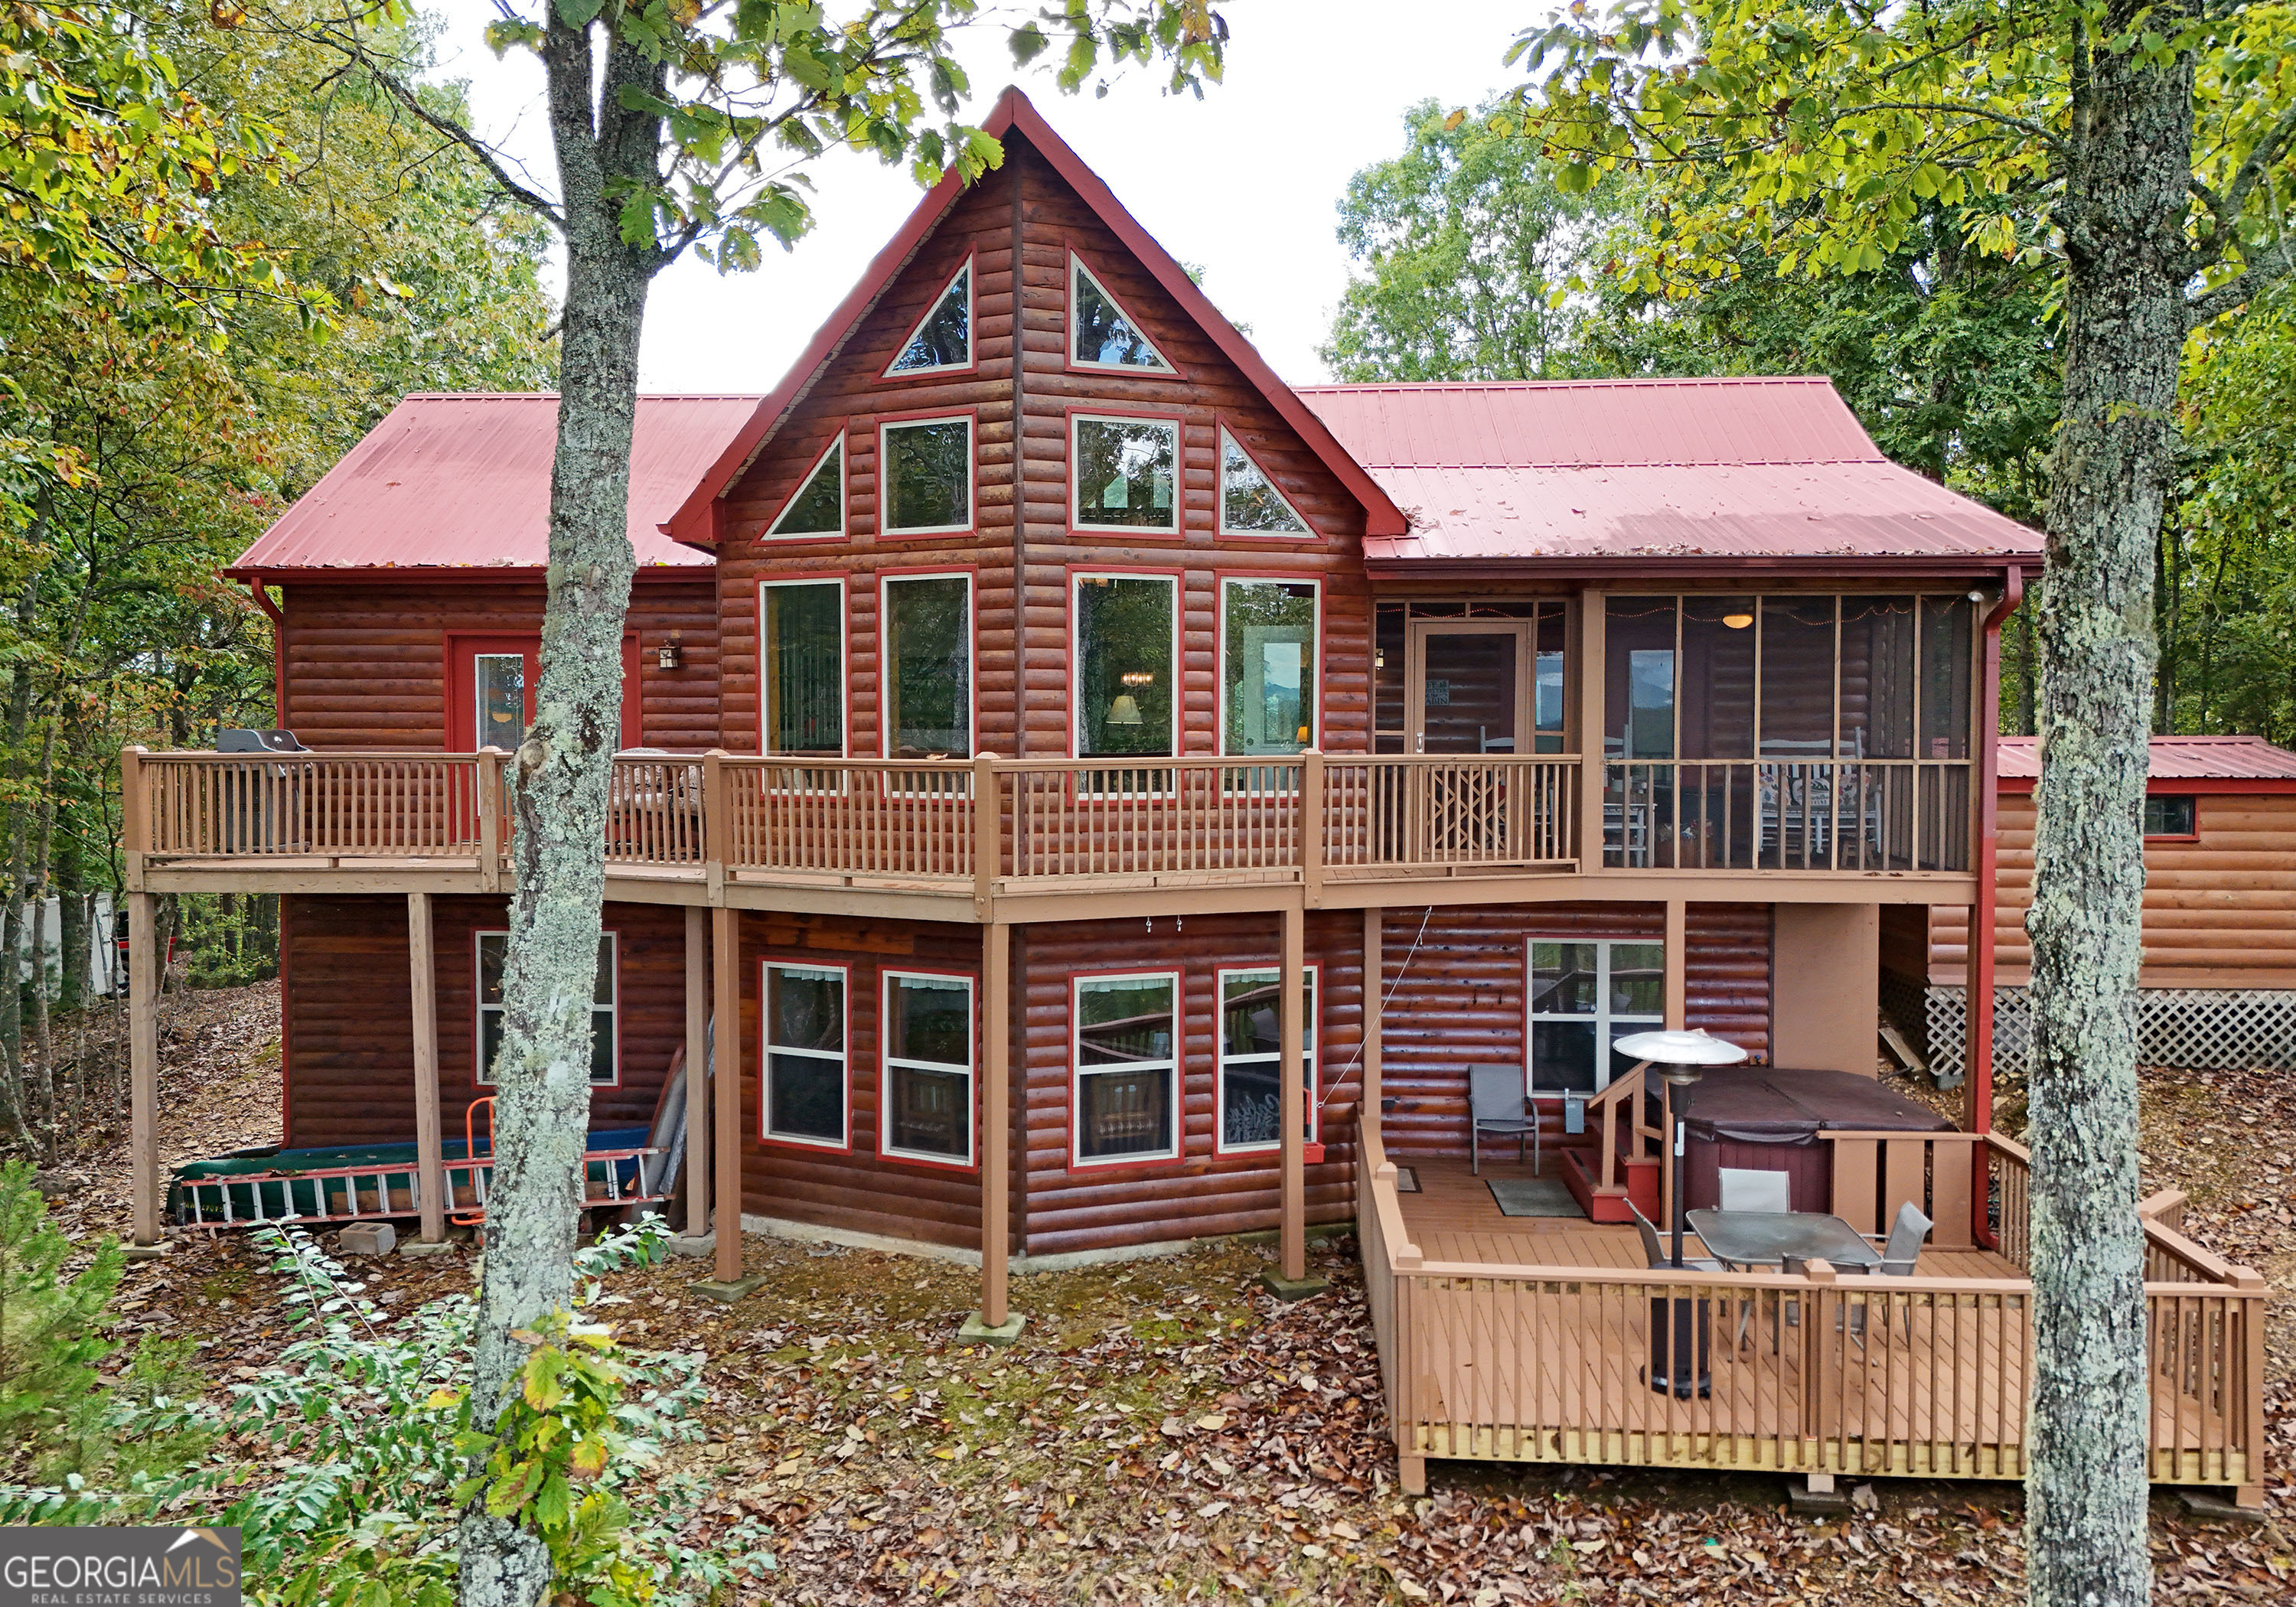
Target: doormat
column 1533, row 1197
column 1406, row 1181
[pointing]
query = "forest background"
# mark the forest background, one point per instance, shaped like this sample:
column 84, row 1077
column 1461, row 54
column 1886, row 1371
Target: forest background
column 153, row 422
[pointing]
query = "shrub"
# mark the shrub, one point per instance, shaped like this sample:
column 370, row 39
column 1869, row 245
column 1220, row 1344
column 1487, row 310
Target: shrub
column 50, row 1338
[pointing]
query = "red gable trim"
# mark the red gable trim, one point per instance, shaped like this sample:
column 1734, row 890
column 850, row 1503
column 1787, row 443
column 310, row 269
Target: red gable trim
column 694, row 522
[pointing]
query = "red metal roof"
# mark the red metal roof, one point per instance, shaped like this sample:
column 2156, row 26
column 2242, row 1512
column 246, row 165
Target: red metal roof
column 462, row 481
column 2198, row 758
column 1014, row 114
column 1628, row 471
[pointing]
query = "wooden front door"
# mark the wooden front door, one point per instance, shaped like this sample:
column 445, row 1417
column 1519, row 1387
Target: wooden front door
column 1468, row 689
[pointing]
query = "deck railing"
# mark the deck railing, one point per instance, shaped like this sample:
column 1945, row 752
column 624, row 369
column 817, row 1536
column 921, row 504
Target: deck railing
column 996, row 824
column 1786, row 814
column 1817, row 1372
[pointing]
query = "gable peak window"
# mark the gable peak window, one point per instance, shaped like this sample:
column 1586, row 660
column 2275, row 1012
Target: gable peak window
column 1250, row 503
column 1100, row 333
column 924, row 470
column 1124, row 473
column 943, row 337
column 819, row 507
column 605, row 1039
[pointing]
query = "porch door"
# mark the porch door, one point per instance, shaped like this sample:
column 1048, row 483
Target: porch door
column 1468, row 698
column 491, row 681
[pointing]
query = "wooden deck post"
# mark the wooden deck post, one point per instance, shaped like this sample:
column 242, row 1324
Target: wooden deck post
column 1311, row 827
column 1590, row 731
column 988, row 805
column 144, row 1062
column 1374, row 1002
column 1678, row 964
column 995, row 1118
column 135, row 815
column 697, row 1072
column 423, row 982
column 716, row 834
column 1292, row 983
column 489, row 794
column 725, row 956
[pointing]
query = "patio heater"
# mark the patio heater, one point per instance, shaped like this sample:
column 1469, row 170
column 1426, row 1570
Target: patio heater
column 1680, row 1058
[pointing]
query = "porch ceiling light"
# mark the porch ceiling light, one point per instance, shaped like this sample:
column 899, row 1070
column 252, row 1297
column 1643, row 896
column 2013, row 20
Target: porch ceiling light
column 1737, row 622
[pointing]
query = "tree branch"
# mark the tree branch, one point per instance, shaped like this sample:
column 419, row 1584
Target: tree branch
column 2268, row 268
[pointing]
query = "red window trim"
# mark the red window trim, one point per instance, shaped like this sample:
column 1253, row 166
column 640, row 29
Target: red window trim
column 1075, row 254
column 836, row 442
column 844, row 581
column 1072, row 656
column 1128, row 535
column 2192, row 836
column 457, row 647
column 925, row 571
column 886, row 376
column 477, row 1014
column 1225, row 424
column 1128, row 1163
column 885, row 1151
column 879, row 422
column 1220, row 1146
column 766, row 1135
column 1220, row 578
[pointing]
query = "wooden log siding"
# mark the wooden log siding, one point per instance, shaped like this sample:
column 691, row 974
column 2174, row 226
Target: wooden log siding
column 1208, row 393
column 1463, row 1002
column 2220, row 912
column 855, row 1190
column 367, row 664
column 1204, row 1192
column 349, row 1056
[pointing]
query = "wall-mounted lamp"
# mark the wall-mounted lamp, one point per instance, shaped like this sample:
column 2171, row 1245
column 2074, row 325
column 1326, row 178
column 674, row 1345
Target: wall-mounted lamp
column 671, row 654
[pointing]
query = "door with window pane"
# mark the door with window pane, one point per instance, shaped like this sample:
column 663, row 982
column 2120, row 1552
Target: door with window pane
column 1469, row 698
column 1584, row 997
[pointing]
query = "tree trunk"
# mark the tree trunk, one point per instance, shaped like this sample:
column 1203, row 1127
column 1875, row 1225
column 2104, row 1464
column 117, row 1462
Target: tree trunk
column 2125, row 202
column 542, row 1075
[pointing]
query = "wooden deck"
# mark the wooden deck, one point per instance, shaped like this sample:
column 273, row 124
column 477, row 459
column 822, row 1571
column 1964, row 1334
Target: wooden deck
column 1537, row 1340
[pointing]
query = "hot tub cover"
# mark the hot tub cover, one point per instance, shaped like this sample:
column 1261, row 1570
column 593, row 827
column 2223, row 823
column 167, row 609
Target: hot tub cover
column 1770, row 1104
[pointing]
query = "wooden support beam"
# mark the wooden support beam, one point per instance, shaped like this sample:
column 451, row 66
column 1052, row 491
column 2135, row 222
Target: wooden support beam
column 423, row 981
column 144, row 1062
column 1591, row 650
column 1374, row 1001
column 698, row 1125
column 1678, row 964
column 1293, row 983
column 995, row 1119
column 725, row 956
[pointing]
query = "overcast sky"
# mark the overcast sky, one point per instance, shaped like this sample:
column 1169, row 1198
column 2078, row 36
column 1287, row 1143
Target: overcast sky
column 1244, row 183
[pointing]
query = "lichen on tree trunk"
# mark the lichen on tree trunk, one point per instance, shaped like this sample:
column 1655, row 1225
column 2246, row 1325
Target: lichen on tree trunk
column 2125, row 204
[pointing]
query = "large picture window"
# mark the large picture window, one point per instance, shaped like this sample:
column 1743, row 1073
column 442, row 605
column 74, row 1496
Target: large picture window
column 1122, row 688
column 1585, row 996
column 928, row 621
column 1251, row 1058
column 1124, row 474
column 1127, row 1061
column 1269, row 641
column 802, row 654
column 606, row 1036
column 805, row 1081
column 927, row 1083
column 924, row 472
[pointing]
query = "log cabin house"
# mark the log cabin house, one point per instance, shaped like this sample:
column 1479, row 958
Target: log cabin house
column 2218, row 973
column 1108, row 797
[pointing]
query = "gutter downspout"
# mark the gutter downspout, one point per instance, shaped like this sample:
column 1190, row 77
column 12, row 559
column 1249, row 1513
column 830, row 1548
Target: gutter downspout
column 1978, row 990
column 255, row 585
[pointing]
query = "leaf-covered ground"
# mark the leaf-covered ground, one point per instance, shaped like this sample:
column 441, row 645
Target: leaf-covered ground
column 1164, row 1431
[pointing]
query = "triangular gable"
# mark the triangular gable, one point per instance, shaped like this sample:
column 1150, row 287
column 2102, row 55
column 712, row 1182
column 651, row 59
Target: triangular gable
column 921, row 340
column 695, row 521
column 1082, row 281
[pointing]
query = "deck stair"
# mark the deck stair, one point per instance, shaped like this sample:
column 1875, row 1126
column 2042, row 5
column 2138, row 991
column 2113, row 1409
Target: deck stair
column 1620, row 1162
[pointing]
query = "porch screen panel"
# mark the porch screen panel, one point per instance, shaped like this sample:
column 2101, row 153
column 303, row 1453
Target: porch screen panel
column 1797, row 695
column 1123, row 681
column 1877, row 677
column 1942, row 800
column 1550, row 715
column 805, row 668
column 929, row 681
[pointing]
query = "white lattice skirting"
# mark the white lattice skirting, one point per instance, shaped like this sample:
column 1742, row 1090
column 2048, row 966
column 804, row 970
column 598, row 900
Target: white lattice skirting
column 2210, row 1028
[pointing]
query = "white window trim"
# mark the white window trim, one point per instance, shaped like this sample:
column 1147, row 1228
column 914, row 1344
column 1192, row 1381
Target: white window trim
column 1170, row 1067
column 884, row 492
column 836, row 448
column 964, row 272
column 1076, row 267
column 1077, row 522
column 1306, row 532
column 1311, row 1043
column 1313, row 692
column 1603, row 1018
column 885, row 583
column 844, row 669
column 1076, row 658
column 480, row 1073
column 767, row 1049
column 885, row 1145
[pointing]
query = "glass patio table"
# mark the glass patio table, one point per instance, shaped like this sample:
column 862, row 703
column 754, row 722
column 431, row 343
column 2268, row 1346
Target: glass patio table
column 1768, row 1238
